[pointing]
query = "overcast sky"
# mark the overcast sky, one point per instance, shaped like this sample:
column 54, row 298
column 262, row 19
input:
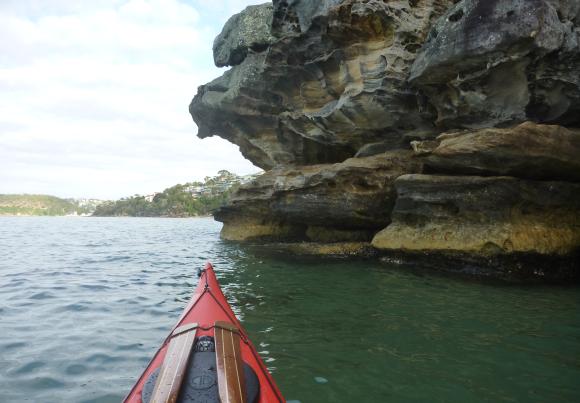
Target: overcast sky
column 94, row 95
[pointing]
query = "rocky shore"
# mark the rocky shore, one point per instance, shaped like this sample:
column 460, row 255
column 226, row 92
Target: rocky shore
column 411, row 129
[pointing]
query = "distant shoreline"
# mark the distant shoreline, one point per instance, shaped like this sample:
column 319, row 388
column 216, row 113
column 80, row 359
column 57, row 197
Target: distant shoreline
column 155, row 216
column 92, row 216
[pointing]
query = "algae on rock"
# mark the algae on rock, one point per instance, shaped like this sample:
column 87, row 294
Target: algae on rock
column 483, row 215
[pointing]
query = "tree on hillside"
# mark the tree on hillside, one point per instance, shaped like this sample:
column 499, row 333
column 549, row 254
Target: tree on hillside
column 177, row 201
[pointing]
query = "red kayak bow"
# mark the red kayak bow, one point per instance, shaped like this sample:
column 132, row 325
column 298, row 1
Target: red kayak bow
column 207, row 357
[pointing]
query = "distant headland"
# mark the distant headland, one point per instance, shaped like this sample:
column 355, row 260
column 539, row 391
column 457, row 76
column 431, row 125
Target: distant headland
column 191, row 199
column 45, row 205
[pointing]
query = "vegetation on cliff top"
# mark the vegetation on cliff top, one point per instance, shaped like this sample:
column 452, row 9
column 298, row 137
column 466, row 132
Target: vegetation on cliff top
column 187, row 200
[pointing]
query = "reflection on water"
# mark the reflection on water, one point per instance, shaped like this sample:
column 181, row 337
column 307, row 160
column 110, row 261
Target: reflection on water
column 84, row 303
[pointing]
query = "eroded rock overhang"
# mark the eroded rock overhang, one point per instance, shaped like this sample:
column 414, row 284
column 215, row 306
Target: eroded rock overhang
column 341, row 100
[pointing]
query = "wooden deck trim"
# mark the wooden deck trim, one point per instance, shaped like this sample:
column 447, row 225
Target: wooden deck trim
column 174, row 365
column 230, row 366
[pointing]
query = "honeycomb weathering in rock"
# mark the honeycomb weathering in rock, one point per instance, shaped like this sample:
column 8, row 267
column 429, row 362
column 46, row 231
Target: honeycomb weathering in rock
column 334, row 80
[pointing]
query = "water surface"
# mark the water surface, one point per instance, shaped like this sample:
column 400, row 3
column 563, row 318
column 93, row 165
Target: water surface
column 85, row 302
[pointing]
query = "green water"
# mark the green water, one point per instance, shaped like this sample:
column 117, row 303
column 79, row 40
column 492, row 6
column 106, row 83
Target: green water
column 380, row 334
column 84, row 303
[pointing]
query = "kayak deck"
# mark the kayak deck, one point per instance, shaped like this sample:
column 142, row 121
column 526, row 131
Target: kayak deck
column 208, row 328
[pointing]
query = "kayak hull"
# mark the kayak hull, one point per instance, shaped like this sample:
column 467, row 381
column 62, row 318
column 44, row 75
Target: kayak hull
column 207, row 306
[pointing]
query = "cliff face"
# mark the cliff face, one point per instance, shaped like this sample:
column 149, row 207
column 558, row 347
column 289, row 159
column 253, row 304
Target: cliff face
column 331, row 79
column 432, row 126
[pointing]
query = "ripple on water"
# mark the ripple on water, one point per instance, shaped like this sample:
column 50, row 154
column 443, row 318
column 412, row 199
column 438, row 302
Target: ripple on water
column 76, row 307
column 137, row 282
column 28, row 368
column 101, row 359
column 60, row 273
column 42, row 295
column 106, row 259
column 14, row 283
column 156, row 312
column 45, row 383
column 129, row 347
column 95, row 287
column 125, row 301
column 75, row 369
column 13, row 346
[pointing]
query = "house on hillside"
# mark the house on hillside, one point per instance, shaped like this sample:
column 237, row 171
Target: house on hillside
column 248, row 178
column 150, row 197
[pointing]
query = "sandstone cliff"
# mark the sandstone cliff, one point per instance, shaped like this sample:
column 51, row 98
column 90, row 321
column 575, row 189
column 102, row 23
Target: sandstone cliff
column 434, row 127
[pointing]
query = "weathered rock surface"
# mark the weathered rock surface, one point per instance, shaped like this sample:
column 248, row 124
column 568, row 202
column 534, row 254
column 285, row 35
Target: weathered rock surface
column 315, row 83
column 334, row 80
column 243, row 33
column 530, row 150
column 349, row 201
column 479, row 215
column 498, row 62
